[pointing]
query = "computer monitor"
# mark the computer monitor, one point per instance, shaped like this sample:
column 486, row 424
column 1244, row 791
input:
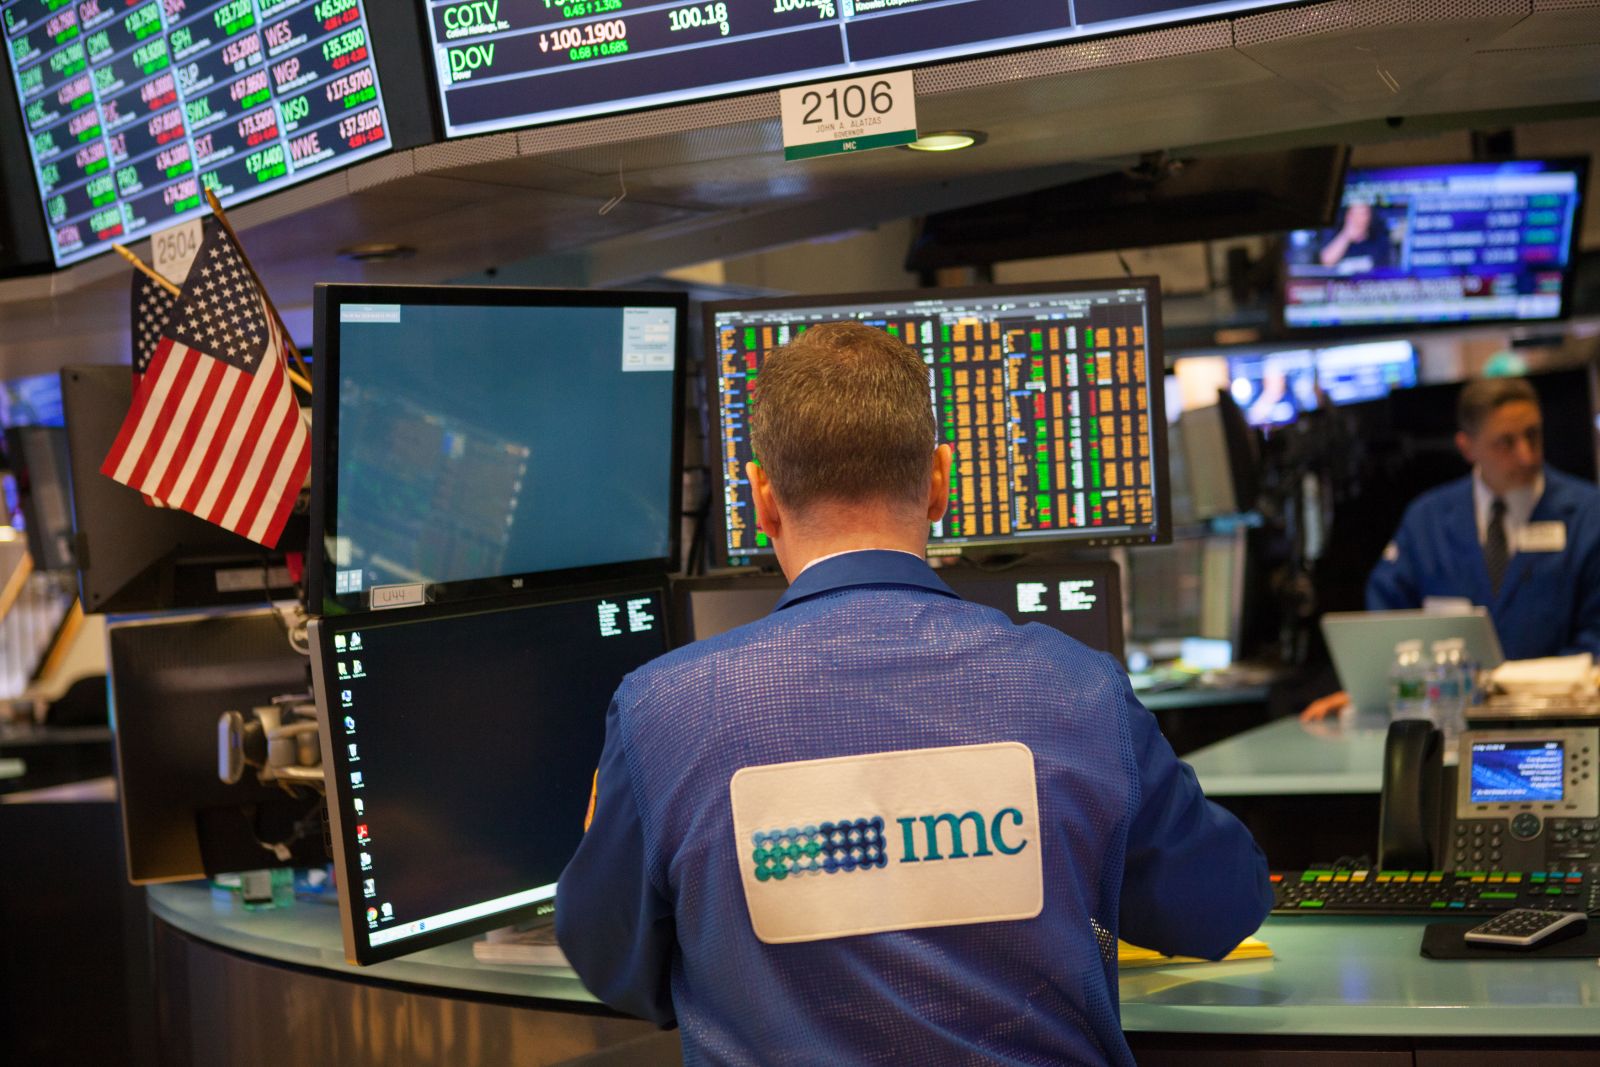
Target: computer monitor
column 131, row 110
column 1276, row 388
column 134, row 557
column 1353, row 374
column 1082, row 599
column 171, row 678
column 40, row 468
column 1220, row 461
column 1051, row 394
column 471, row 442
column 1448, row 243
column 460, row 745
column 1193, row 587
column 706, row 606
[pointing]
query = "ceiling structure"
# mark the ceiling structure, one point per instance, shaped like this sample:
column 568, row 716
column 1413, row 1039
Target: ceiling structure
column 708, row 180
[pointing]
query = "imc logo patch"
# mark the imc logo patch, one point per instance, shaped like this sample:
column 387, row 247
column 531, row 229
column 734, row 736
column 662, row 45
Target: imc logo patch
column 828, row 848
column 955, row 839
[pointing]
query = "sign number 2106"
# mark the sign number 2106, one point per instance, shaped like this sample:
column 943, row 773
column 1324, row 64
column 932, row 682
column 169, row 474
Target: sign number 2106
column 854, row 102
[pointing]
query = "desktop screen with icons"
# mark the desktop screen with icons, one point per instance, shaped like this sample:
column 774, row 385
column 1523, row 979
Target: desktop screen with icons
column 461, row 749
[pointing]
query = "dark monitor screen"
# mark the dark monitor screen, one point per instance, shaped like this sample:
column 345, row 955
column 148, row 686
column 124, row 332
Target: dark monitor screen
column 461, row 750
column 1455, row 242
column 171, row 679
column 40, row 467
column 473, row 441
column 131, row 109
column 134, row 557
column 1081, row 599
column 1052, row 396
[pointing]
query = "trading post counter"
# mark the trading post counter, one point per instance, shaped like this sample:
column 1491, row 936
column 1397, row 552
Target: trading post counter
column 269, row 987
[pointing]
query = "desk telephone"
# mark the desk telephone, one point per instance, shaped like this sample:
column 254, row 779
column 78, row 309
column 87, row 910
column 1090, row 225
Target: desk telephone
column 1515, row 824
column 1517, row 800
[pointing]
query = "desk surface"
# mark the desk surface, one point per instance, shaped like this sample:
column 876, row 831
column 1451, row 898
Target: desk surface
column 1286, row 757
column 1331, row 976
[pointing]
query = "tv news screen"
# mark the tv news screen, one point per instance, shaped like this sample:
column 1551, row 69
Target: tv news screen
column 1448, row 243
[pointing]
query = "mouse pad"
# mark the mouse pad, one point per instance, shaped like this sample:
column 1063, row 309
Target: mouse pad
column 1443, row 941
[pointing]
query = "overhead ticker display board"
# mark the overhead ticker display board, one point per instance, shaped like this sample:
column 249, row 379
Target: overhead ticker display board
column 133, row 107
column 508, row 63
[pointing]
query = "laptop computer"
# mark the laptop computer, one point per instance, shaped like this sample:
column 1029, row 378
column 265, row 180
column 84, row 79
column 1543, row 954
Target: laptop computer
column 1362, row 645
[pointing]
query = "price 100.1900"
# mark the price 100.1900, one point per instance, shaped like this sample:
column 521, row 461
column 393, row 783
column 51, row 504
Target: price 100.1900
column 594, row 33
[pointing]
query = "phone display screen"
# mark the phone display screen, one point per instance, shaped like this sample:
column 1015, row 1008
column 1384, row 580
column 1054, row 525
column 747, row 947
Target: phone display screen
column 1508, row 771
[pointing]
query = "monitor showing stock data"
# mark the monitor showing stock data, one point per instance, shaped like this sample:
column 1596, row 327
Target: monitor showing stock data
column 506, row 63
column 1052, row 397
column 1456, row 242
column 131, row 109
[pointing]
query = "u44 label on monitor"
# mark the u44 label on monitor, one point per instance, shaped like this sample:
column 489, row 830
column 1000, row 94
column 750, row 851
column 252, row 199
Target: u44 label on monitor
column 848, row 115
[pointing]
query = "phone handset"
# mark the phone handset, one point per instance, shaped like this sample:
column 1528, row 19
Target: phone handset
column 1408, row 815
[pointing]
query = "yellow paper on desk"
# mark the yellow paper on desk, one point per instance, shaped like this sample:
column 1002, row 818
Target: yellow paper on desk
column 1251, row 948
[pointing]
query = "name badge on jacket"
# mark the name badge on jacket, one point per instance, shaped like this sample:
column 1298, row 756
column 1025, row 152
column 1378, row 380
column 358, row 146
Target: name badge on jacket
column 1543, row 537
column 889, row 841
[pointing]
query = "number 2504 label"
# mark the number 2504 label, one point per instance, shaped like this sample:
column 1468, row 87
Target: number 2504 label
column 849, row 115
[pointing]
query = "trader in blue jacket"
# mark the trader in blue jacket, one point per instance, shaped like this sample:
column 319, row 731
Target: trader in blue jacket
column 1515, row 536
column 884, row 825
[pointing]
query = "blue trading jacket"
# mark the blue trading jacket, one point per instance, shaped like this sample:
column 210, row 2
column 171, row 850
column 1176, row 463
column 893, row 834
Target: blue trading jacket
column 871, row 652
column 1549, row 602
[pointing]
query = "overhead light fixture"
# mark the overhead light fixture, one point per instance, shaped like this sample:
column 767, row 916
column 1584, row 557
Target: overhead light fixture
column 947, row 141
column 376, row 252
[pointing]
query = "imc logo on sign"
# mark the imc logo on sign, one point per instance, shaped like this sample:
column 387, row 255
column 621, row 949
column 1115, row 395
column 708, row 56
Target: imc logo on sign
column 859, row 844
column 846, row 845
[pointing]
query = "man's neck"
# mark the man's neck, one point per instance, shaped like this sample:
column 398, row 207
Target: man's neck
column 801, row 551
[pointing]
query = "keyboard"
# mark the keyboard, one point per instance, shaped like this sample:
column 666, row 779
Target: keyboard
column 1433, row 893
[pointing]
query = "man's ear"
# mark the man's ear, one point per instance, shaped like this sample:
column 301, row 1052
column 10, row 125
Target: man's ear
column 939, row 485
column 769, row 519
column 1464, row 446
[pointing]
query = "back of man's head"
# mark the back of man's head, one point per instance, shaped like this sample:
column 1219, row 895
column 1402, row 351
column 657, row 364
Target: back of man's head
column 1482, row 396
column 841, row 414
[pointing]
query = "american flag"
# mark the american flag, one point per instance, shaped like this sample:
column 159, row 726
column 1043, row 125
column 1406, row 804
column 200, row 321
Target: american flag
column 152, row 308
column 215, row 428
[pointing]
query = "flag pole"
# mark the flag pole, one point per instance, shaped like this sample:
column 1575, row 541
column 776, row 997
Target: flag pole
column 143, row 268
column 303, row 379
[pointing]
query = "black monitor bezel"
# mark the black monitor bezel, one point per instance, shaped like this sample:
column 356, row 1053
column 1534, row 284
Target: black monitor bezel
column 1345, row 332
column 1155, row 357
column 328, row 297
column 340, row 813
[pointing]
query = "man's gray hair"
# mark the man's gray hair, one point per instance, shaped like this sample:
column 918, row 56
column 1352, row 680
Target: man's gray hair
column 1482, row 396
column 842, row 413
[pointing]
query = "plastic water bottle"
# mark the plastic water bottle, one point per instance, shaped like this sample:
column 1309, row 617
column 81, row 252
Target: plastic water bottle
column 1447, row 689
column 1408, row 683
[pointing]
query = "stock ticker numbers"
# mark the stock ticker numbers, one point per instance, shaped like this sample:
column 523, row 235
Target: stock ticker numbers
column 1045, row 406
column 133, row 109
column 506, row 63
